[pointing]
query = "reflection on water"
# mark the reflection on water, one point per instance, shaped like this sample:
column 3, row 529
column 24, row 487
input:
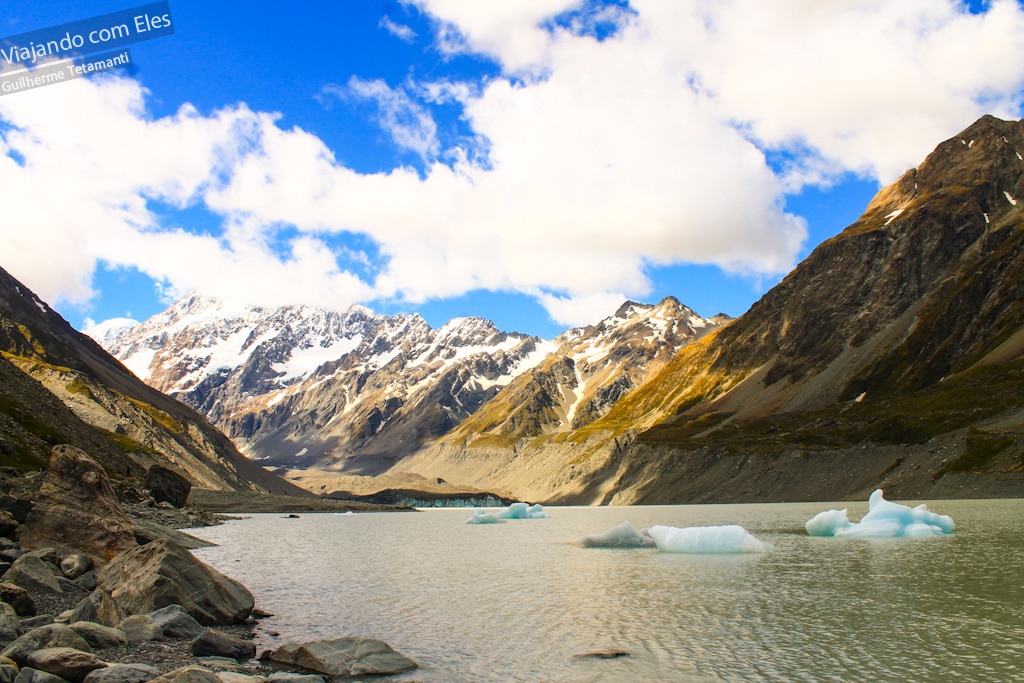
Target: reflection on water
column 517, row 601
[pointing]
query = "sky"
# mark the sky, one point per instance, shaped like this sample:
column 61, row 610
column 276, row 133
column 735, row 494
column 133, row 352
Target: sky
column 534, row 162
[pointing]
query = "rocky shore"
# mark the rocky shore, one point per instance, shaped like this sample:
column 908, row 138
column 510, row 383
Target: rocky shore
column 100, row 587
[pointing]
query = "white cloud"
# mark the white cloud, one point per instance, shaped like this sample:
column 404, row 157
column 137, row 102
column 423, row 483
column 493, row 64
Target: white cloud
column 604, row 156
column 400, row 31
column 410, row 125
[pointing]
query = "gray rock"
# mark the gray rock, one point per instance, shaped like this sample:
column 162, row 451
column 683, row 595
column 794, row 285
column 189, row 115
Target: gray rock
column 29, row 623
column 188, row 674
column 18, row 598
column 47, row 555
column 10, row 625
column 52, row 635
column 217, row 644
column 11, row 554
column 123, row 673
column 140, row 627
column 176, row 622
column 148, row 530
column 167, row 486
column 235, row 677
column 68, row 663
column 98, row 636
column 30, row 675
column 220, row 664
column 8, row 670
column 33, row 574
column 290, row 677
column 161, row 573
column 76, row 509
column 87, row 581
column 98, row 607
column 344, row 657
column 75, row 565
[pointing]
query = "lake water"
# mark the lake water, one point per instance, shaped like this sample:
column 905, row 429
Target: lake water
column 518, row 601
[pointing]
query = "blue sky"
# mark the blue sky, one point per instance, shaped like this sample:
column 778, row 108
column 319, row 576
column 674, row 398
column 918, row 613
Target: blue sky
column 534, row 162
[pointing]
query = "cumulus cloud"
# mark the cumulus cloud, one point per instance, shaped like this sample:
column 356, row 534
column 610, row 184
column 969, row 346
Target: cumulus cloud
column 607, row 152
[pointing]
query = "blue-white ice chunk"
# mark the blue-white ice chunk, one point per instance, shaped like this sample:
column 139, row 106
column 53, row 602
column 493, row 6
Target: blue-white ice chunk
column 523, row 511
column 620, row 536
column 883, row 520
column 481, row 516
column 730, row 538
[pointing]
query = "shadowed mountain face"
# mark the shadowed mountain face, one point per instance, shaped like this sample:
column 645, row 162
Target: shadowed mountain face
column 59, row 386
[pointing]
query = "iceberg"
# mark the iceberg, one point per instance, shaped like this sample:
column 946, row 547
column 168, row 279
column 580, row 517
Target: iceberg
column 730, row 538
column 620, row 536
column 523, row 511
column 480, row 516
column 883, row 520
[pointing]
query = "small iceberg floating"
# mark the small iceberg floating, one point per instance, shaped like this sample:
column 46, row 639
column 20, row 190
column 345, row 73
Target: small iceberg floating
column 513, row 511
column 728, row 539
column 883, row 520
column 481, row 516
column 620, row 536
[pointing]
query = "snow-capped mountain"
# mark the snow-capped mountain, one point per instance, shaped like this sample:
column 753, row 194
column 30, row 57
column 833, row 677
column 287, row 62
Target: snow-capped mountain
column 302, row 386
column 590, row 370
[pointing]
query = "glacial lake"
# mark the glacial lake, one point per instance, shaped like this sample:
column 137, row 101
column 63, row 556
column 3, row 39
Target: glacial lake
column 517, row 602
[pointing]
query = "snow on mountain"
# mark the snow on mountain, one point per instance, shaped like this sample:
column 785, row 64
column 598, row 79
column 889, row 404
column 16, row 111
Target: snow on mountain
column 302, row 386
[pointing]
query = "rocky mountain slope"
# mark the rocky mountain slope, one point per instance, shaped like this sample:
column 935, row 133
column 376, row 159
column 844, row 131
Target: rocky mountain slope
column 302, row 387
column 60, row 386
column 892, row 356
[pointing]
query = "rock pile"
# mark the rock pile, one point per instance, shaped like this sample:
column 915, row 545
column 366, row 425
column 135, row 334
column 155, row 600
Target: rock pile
column 86, row 592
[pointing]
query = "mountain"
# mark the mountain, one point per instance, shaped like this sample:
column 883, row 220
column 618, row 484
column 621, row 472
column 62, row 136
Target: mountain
column 60, row 386
column 301, row 387
column 892, row 356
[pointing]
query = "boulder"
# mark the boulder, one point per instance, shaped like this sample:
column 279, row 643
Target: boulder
column 123, row 673
column 161, row 573
column 30, row 675
column 291, row 677
column 18, row 598
column 76, row 509
column 175, row 622
column 167, row 486
column 344, row 657
column 68, row 663
column 235, row 677
column 75, row 565
column 212, row 643
column 29, row 623
column 52, row 635
column 98, row 636
column 188, row 674
column 8, row 670
column 98, row 607
column 32, row 573
column 10, row 625
column 140, row 627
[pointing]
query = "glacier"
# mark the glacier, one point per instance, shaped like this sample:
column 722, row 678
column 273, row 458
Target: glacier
column 883, row 520
column 727, row 539
column 619, row 536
